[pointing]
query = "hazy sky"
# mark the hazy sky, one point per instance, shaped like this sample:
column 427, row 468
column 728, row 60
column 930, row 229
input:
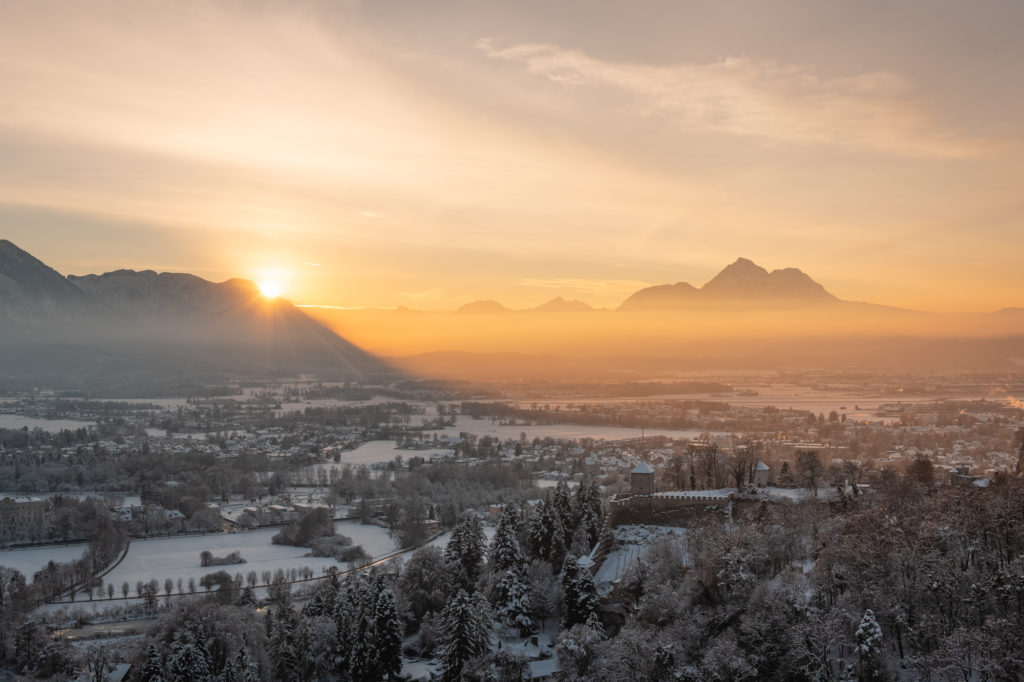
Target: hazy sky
column 431, row 153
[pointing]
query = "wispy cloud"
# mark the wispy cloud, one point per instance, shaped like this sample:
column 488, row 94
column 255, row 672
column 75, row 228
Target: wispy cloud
column 777, row 102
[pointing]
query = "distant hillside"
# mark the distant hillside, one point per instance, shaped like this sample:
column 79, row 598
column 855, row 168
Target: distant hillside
column 560, row 305
column 32, row 292
column 157, row 329
column 740, row 283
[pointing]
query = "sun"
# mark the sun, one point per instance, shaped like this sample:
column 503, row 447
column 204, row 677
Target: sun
column 271, row 288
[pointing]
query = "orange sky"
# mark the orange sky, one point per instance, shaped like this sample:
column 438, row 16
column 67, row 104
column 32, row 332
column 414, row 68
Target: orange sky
column 430, row 154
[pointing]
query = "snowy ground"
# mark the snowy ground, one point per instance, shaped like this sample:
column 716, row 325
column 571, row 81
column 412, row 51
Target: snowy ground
column 797, row 494
column 630, row 543
column 487, row 427
column 375, row 451
column 32, row 559
column 719, row 493
column 551, row 483
column 17, row 421
column 178, row 557
column 539, row 649
column 126, row 500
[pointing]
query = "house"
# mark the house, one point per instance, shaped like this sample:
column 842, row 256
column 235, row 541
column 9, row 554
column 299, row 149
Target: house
column 762, row 475
column 641, row 479
column 21, row 509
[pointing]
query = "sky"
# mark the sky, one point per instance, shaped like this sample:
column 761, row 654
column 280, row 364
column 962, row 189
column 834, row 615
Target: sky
column 428, row 154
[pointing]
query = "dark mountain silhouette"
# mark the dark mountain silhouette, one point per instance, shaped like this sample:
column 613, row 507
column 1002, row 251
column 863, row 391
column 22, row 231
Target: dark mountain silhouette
column 560, row 305
column 744, row 279
column 31, row 291
column 743, row 283
column 662, row 297
column 152, row 330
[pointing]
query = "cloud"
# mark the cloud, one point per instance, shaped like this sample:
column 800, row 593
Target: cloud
column 776, row 102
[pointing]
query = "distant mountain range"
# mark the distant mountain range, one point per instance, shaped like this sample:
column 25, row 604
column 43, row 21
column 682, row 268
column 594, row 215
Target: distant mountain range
column 146, row 328
column 743, row 284
column 555, row 305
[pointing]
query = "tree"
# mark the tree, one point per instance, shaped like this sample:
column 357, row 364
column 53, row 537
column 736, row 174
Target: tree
column 808, row 465
column 785, row 475
column 466, row 633
column 579, row 594
column 577, row 650
column 922, row 471
column 153, row 668
column 1018, row 440
column 740, row 465
column 284, row 654
column 546, row 534
column 388, row 634
column 869, row 646
column 505, row 552
column 466, row 548
column 513, row 602
column 425, row 583
column 563, row 505
column 588, row 508
column 98, row 664
column 242, row 668
column 187, row 662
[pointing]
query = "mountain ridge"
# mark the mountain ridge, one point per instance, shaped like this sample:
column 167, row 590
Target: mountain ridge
column 128, row 324
column 742, row 282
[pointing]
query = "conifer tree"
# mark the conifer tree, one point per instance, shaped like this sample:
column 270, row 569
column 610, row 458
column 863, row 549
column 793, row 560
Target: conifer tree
column 513, row 602
column 570, row 592
column 153, row 668
column 466, row 548
column 566, row 514
column 546, row 534
column 284, row 654
column 505, row 551
column 241, row 668
column 869, row 646
column 388, row 634
column 466, row 633
column 187, row 663
column 579, row 593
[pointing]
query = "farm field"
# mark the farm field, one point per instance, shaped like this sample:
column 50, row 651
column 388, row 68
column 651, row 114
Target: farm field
column 29, row 560
column 178, row 558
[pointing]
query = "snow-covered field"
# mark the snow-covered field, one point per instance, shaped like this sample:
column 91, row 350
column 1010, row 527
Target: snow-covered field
column 631, row 543
column 126, row 500
column 797, row 494
column 178, row 557
column 375, row 451
column 486, row 427
column 31, row 559
column 17, row 421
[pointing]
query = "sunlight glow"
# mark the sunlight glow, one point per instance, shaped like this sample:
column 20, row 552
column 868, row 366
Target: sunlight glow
column 271, row 289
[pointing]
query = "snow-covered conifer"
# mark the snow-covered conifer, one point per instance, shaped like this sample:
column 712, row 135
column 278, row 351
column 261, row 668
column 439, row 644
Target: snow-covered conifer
column 467, row 547
column 513, row 602
column 505, row 551
column 388, row 634
column 546, row 534
column 187, row 663
column 466, row 629
column 153, row 668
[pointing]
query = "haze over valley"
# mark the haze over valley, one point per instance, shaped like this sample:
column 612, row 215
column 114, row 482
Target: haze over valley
column 586, row 341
